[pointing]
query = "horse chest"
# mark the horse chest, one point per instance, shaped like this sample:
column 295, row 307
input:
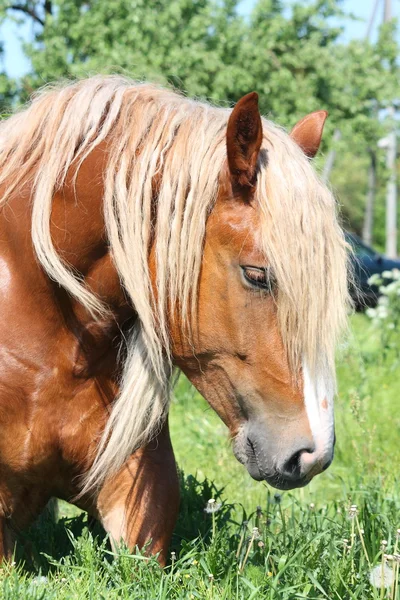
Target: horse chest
column 52, row 402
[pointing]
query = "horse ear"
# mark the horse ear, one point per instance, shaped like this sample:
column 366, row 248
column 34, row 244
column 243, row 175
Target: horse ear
column 307, row 133
column 243, row 139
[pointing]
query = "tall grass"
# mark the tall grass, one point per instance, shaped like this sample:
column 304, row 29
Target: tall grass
column 319, row 542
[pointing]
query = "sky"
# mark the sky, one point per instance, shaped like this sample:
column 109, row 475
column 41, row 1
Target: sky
column 16, row 64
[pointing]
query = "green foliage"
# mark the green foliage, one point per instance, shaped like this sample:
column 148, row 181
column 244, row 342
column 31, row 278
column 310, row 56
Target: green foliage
column 386, row 315
column 309, row 543
column 294, row 57
column 286, row 549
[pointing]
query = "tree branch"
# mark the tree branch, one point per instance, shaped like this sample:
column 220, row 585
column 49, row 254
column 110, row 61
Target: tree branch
column 48, row 7
column 27, row 11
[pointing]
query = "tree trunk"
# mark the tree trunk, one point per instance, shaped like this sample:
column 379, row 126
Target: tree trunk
column 391, row 197
column 368, row 226
column 330, row 159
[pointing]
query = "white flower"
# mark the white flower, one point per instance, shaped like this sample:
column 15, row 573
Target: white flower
column 375, row 279
column 392, row 287
column 381, row 576
column 352, row 511
column 371, row 313
column 382, row 312
column 387, row 274
column 212, row 506
column 396, row 274
column 39, row 580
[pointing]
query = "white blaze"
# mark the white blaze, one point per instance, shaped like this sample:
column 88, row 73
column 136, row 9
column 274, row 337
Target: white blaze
column 318, row 399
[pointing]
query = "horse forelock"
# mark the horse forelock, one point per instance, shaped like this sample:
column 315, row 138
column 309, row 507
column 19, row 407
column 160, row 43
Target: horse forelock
column 305, row 245
column 151, row 131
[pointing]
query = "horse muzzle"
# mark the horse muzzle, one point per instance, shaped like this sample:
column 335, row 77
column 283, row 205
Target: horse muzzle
column 282, row 464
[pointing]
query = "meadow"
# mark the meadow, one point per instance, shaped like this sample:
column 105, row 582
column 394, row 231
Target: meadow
column 319, row 542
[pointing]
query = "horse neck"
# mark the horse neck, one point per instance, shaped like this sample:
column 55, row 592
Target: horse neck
column 78, row 234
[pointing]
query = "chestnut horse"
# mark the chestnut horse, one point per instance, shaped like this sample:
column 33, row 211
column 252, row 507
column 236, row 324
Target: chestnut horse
column 142, row 232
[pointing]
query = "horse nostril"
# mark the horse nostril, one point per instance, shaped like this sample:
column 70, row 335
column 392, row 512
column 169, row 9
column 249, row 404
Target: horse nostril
column 293, row 468
column 250, row 446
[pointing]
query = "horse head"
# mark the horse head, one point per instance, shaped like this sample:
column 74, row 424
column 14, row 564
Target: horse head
column 279, row 410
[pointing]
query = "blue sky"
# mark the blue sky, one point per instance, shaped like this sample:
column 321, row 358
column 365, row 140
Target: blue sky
column 16, row 64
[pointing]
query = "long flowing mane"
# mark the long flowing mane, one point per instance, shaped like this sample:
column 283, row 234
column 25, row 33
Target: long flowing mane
column 150, row 131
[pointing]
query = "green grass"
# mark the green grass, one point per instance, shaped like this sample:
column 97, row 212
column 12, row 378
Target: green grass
column 302, row 551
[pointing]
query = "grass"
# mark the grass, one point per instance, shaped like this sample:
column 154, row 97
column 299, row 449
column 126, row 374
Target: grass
column 308, row 543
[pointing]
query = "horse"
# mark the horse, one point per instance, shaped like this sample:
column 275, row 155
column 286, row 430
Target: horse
column 142, row 234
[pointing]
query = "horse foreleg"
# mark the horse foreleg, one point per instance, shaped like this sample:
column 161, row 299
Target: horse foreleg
column 7, row 539
column 140, row 504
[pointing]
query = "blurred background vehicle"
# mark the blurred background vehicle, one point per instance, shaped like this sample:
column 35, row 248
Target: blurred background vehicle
column 367, row 262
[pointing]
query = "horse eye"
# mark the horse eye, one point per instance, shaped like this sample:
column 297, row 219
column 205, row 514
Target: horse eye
column 262, row 278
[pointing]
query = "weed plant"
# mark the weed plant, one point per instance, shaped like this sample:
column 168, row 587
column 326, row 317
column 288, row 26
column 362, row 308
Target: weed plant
column 337, row 539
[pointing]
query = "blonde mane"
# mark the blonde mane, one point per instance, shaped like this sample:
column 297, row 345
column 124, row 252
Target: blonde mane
column 150, row 130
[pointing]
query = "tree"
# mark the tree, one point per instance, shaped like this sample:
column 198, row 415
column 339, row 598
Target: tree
column 295, row 59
